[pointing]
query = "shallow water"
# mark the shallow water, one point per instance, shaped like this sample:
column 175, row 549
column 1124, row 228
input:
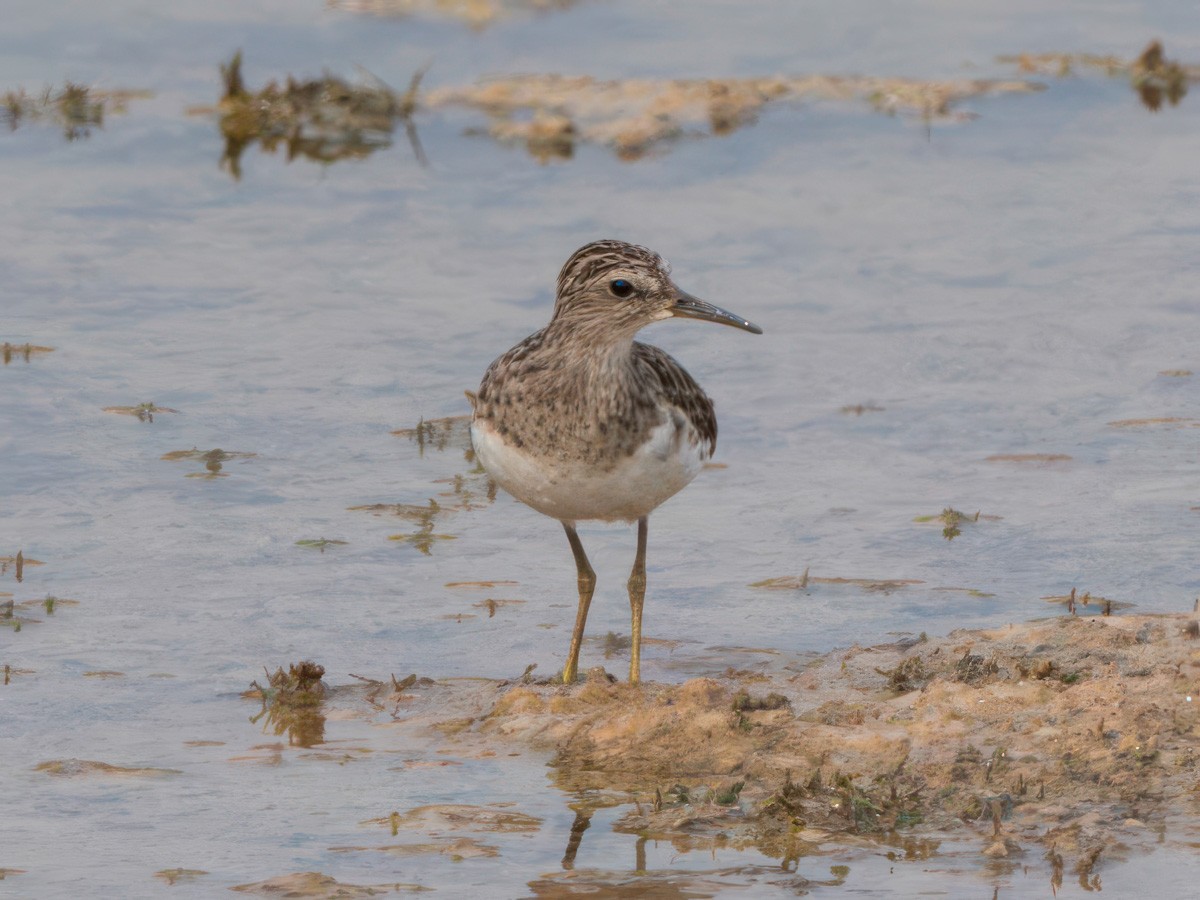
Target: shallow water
column 1011, row 284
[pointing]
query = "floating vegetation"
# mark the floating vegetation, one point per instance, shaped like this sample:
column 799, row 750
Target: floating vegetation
column 475, row 13
column 1154, row 77
column 952, row 519
column 468, row 490
column 1037, row 459
column 174, row 876
column 80, row 768
column 492, row 605
column 9, row 352
column 291, row 703
column 315, row 885
column 144, row 412
column 414, row 512
column 8, row 610
column 486, row 585
column 426, row 516
column 75, row 108
column 212, row 459
column 792, row 583
column 970, row 592
column 104, row 674
column 499, row 817
column 423, row 539
column 457, row 849
column 551, row 114
column 1076, row 603
column 1060, row 65
column 17, row 564
column 323, row 119
column 8, row 616
column 1173, row 421
column 859, row 408
column 441, row 434
column 320, row 544
column 1176, row 373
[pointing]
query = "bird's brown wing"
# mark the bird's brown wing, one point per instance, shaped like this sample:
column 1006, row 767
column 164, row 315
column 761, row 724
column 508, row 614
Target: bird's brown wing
column 680, row 389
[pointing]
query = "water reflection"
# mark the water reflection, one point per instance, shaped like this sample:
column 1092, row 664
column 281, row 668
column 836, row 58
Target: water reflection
column 1152, row 76
column 9, row 352
column 291, row 703
column 441, row 434
column 328, row 119
column 75, row 108
column 144, row 412
column 212, row 460
column 17, row 564
column 467, row 490
column 323, row 119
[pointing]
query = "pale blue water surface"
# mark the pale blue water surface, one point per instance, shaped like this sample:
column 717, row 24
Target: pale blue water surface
column 1009, row 284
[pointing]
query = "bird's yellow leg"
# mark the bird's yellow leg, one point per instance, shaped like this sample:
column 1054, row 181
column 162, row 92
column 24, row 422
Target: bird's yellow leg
column 587, row 584
column 637, row 597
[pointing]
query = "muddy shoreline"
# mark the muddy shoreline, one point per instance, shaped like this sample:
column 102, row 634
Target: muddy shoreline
column 1059, row 743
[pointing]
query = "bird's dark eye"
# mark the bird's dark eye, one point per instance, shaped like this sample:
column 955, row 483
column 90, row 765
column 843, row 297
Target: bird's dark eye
column 620, row 287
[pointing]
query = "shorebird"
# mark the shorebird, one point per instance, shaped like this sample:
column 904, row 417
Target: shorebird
column 580, row 421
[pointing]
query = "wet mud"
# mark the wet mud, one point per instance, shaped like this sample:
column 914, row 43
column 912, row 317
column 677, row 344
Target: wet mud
column 1061, row 743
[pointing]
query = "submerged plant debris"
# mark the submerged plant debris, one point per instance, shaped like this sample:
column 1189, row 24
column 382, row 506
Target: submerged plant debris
column 449, row 432
column 323, row 119
column 75, row 108
column 26, row 352
column 499, row 817
column 456, row 849
column 1036, row 459
column 952, row 520
column 319, row 543
column 322, row 887
column 213, row 460
column 1169, row 421
column 468, row 489
column 79, row 768
column 805, row 580
column 858, row 409
column 1153, row 76
column 1085, row 604
column 175, row 876
column 1070, row 739
column 143, row 412
column 16, row 565
column 291, row 703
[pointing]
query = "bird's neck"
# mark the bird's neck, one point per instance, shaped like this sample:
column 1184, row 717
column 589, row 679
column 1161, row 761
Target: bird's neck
column 593, row 342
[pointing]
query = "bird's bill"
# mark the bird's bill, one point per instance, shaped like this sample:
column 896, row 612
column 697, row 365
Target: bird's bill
column 688, row 307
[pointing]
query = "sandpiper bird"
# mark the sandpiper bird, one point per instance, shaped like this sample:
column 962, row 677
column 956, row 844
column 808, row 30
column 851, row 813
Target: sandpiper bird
column 580, row 421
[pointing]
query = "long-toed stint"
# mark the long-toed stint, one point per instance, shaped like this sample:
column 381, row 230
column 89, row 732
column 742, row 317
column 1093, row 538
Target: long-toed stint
column 580, row 421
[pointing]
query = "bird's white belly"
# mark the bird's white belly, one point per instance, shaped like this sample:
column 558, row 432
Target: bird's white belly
column 572, row 491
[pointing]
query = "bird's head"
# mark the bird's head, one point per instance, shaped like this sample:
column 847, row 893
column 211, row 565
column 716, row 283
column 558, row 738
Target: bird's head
column 622, row 287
